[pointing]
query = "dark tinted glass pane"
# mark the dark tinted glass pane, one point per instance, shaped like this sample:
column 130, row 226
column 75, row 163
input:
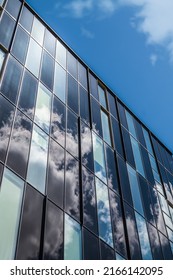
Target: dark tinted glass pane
column 128, row 147
column 86, row 147
column 117, row 137
column 156, row 149
column 94, row 87
column 49, row 42
column 167, row 253
column 117, row 224
column 165, row 182
column 19, row 145
column 83, row 75
column 47, row 70
column 30, row 233
column 147, row 166
column 6, row 118
column 96, row 118
column 135, row 251
column 28, row 94
column 90, row 246
column 72, row 97
column 155, row 243
column 139, row 132
column 20, row 45
column 55, row 176
column 124, row 181
column 11, row 80
column 111, row 169
column 72, row 134
column 6, row 30
column 84, row 106
column 106, row 252
column 72, row 192
column 13, row 7
column 112, row 105
column 53, row 240
column 26, row 19
column 72, row 65
column 122, row 115
column 89, row 201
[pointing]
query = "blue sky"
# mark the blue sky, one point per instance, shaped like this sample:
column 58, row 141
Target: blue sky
column 129, row 45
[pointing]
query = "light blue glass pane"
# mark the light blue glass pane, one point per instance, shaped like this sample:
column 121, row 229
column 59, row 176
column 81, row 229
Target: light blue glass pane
column 119, row 257
column 171, row 212
column 170, row 234
column 171, row 244
column 156, row 176
column 103, row 209
column 61, row 54
column 43, row 108
column 11, row 193
column 2, row 57
column 153, row 163
column 72, row 240
column 60, row 82
column 164, row 204
column 147, row 141
column 137, row 156
column 135, row 190
column 159, row 187
column 99, row 158
column 34, row 57
column 1, row 2
column 168, row 221
column 38, row 31
column 102, row 97
column 36, row 175
column 106, row 128
column 143, row 238
column 130, row 123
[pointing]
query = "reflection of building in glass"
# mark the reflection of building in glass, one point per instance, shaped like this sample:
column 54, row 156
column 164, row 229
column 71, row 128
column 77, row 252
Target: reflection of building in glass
column 81, row 177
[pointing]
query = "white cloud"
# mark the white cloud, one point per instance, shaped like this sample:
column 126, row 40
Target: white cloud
column 153, row 59
column 87, row 33
column 78, row 8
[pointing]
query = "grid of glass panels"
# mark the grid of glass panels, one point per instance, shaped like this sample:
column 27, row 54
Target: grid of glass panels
column 69, row 146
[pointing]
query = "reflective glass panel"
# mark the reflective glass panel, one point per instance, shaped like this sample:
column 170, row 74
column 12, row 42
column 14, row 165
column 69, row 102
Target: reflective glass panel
column 72, row 65
column 49, row 42
column 107, row 253
column 13, row 7
column 82, row 75
column 11, row 193
column 147, row 141
column 43, row 108
column 72, row 240
column 47, row 70
column 122, row 115
column 72, row 96
column 130, row 123
column 90, row 246
column 34, row 57
column 26, row 19
column 38, row 159
column 99, row 158
column 155, row 242
column 117, row 137
column 38, row 31
column 2, row 57
column 72, row 134
column 166, row 249
column 20, row 45
column 128, row 147
column 61, row 54
column 112, row 105
column 137, row 156
column 111, row 169
column 164, row 204
column 106, row 128
column 96, row 117
column 86, row 147
column 60, row 82
column 94, row 86
column 84, row 105
column 102, row 97
column 7, row 25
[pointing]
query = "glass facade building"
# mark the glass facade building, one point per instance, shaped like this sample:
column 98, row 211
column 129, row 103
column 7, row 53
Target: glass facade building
column 80, row 176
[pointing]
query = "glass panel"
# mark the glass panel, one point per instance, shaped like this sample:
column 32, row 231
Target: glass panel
column 38, row 159
column 86, row 147
column 72, row 96
column 170, row 234
column 168, row 221
column 28, row 94
column 122, row 115
column 103, row 209
column 102, row 97
column 43, row 108
column 19, row 145
column 135, row 190
column 34, row 57
column 58, row 122
column 60, row 82
column 165, row 247
column 91, row 246
column 94, row 87
column 84, row 105
column 117, row 137
column 38, row 31
column 112, row 105
column 72, row 191
column 1, row 2
column 72, row 134
column 153, row 163
column 130, row 123
column 49, row 42
column 6, row 119
column 111, row 169
column 106, row 128
column 106, row 252
column 99, row 158
column 128, row 147
column 164, row 204
column 11, row 193
column 139, row 132
column 47, row 71
column 143, row 238
column 82, row 75
column 26, row 19
column 30, row 231
column 89, row 201
column 72, row 240
column 119, row 257
column 147, row 165
column 72, row 65
column 20, row 45
column 2, row 57
column 96, row 117
column 11, row 80
column 155, row 243
column 61, row 54
column 55, row 176
column 13, row 7
column 53, row 240
column 137, row 156
column 7, row 25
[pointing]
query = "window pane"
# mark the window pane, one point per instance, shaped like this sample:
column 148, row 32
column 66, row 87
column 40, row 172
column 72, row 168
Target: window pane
column 61, row 54
column 11, row 193
column 26, row 19
column 49, row 42
column 147, row 141
column 6, row 30
column 60, row 82
column 91, row 246
column 93, row 87
column 96, row 117
column 102, row 97
column 20, row 45
column 106, row 128
column 82, row 75
column 165, row 247
column 13, row 7
column 11, row 80
column 38, row 159
column 137, row 156
column 84, row 106
column 111, row 169
column 38, row 31
column 47, row 70
column 72, row 97
column 28, row 94
column 106, row 252
column 43, row 108
column 86, row 147
column 130, row 122
column 128, row 147
column 117, row 137
column 72, row 134
column 103, row 209
column 34, row 57
column 99, row 158
column 155, row 243
column 2, row 57
column 72, row 240
column 72, row 65
column 112, row 105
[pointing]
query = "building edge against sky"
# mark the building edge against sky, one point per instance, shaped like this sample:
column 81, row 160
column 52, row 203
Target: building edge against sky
column 105, row 184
